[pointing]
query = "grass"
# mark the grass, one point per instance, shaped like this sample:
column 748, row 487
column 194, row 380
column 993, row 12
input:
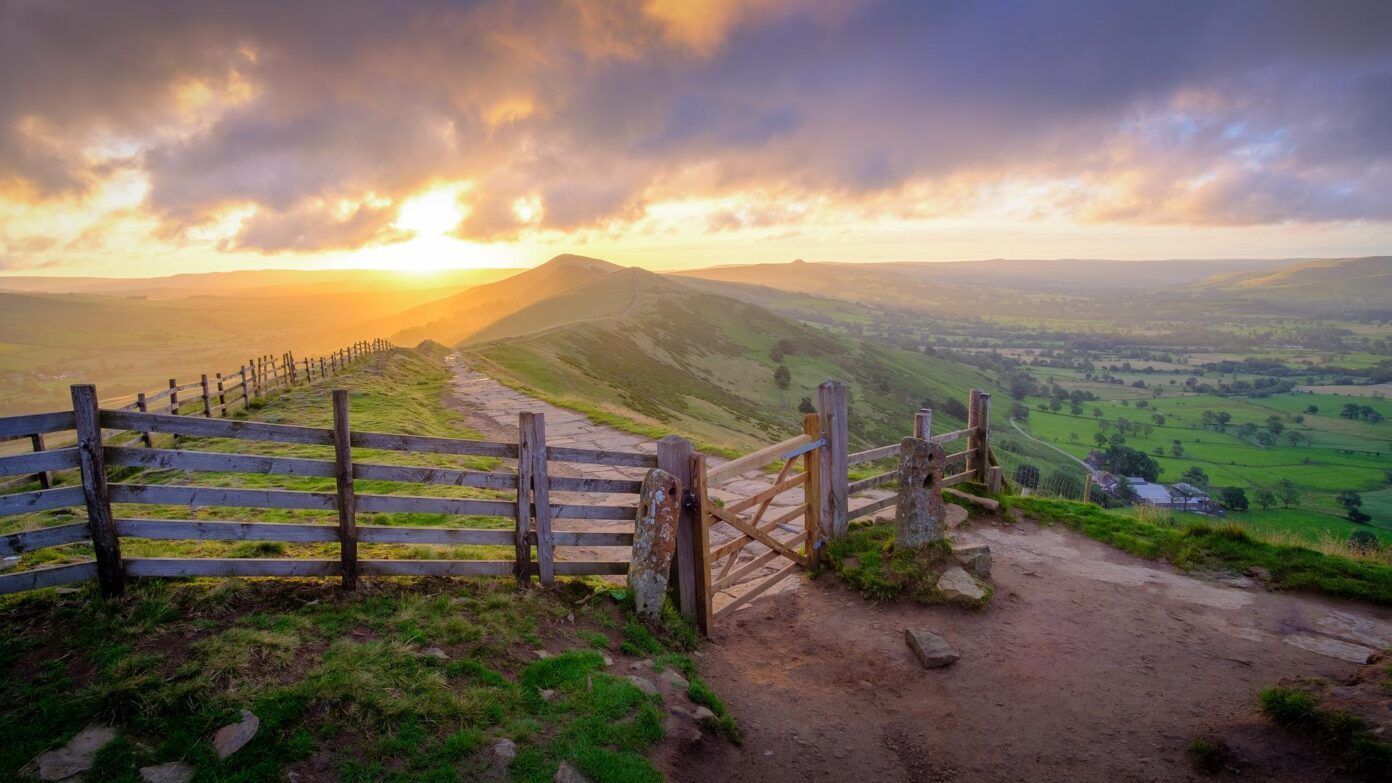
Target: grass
column 1227, row 546
column 337, row 679
column 1346, row 734
column 868, row 561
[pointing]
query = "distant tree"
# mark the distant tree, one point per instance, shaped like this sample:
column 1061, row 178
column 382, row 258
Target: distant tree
column 1312, row 409
column 1233, row 498
column 1027, row 476
column 1265, row 498
column 1097, row 412
column 1019, row 411
column 806, row 406
column 956, row 409
column 1298, row 419
column 1126, row 461
column 1274, row 425
column 1195, row 475
column 1177, row 449
column 1075, row 409
column 782, row 377
column 1055, row 405
column 1287, row 492
column 1364, row 541
column 1352, row 503
column 1099, row 439
column 1352, row 410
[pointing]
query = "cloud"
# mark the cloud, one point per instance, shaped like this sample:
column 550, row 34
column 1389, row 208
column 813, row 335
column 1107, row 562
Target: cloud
column 1154, row 112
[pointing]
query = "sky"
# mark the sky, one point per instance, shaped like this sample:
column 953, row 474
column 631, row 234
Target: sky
column 147, row 138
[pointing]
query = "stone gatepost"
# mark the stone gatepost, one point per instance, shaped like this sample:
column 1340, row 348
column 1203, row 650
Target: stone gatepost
column 654, row 542
column 920, row 516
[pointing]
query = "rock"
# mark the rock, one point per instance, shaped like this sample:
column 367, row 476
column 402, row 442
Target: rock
column 498, row 758
column 673, row 677
column 543, row 654
column 958, row 585
column 234, row 736
column 568, row 774
column 932, row 650
column 172, row 772
column 919, row 516
column 75, row 757
column 644, row 684
column 547, row 694
column 703, row 713
column 436, row 653
column 608, row 661
column 654, row 543
column 975, row 558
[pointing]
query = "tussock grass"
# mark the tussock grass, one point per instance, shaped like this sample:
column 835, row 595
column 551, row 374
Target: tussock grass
column 867, row 559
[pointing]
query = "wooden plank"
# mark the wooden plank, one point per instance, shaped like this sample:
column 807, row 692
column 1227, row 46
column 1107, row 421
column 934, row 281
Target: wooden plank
column 631, row 459
column 29, row 540
column 435, row 567
column 872, row 507
column 757, row 590
column 612, row 486
column 191, row 385
column 40, row 500
column 37, row 445
column 575, row 511
column 47, row 576
column 989, row 504
column 758, row 535
column 231, row 566
column 766, row 494
column 522, row 533
column 948, row 437
column 812, row 493
column 24, row 426
column 202, row 530
column 179, row 459
column 954, row 480
column 42, row 461
column 763, row 502
column 424, row 505
column 960, row 456
column 756, row 564
column 833, row 404
column 737, row 544
column 534, row 425
column 347, row 501
column 216, row 428
column 435, row 476
column 386, row 534
column 700, row 545
column 433, row 445
column 588, row 538
column 877, row 480
column 165, row 494
column 755, row 460
column 105, row 545
column 591, row 568
column 870, row 455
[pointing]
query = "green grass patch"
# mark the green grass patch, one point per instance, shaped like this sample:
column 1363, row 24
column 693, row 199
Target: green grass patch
column 867, row 559
column 1347, row 735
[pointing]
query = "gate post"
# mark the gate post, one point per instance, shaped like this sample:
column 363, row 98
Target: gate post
column 533, row 426
column 833, row 404
column 812, row 496
column 700, row 546
column 107, row 547
column 674, row 456
column 347, row 497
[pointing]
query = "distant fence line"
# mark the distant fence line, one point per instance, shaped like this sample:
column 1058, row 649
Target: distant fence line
column 210, row 396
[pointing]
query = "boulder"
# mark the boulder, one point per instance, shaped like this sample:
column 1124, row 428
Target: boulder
column 958, row 585
column 75, row 757
column 654, row 543
column 234, row 736
column 674, row 678
column 932, row 650
column 568, row 774
column 643, row 683
column 975, row 558
column 172, row 772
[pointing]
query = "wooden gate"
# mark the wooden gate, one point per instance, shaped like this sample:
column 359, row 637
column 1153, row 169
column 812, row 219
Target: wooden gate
column 725, row 530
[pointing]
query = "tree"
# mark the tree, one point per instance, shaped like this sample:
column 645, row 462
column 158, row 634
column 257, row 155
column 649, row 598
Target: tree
column 1055, row 405
column 1099, row 439
column 1019, row 411
column 806, row 406
column 956, row 409
column 1352, row 410
column 1265, row 498
column 1177, row 449
column 1363, row 541
column 1233, row 498
column 1126, row 461
column 1027, row 476
column 1312, row 409
column 782, row 377
column 1195, row 475
column 1352, row 503
column 1287, row 492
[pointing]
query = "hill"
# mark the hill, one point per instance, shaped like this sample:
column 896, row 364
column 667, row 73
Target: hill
column 655, row 354
column 454, row 318
column 1336, row 286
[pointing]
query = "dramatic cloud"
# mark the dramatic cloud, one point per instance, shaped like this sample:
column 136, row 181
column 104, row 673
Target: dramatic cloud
column 304, row 126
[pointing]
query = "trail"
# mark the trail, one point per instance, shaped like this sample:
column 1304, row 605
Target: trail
column 1027, row 434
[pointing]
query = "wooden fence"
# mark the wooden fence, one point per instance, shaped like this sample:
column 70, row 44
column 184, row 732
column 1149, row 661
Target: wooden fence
column 209, row 396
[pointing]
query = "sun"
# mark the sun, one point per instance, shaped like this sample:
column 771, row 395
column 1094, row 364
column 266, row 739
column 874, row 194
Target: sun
column 434, row 213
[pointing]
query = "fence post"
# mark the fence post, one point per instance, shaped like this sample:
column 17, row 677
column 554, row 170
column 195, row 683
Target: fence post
column 207, row 399
column 522, row 563
column 983, row 439
column 700, row 545
column 534, row 431
column 973, row 432
column 347, row 500
column 45, row 478
column 143, row 407
column 110, row 573
column 222, row 395
column 833, row 403
column 173, row 397
column 246, row 390
column 674, row 456
column 812, row 493
column 923, row 424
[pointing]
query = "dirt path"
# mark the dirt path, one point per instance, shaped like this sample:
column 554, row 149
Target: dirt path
column 1088, row 665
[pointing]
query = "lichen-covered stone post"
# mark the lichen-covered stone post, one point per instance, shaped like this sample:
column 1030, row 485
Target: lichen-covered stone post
column 920, row 517
column 654, row 542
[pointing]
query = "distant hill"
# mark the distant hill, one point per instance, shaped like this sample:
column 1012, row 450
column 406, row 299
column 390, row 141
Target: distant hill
column 655, row 351
column 261, row 283
column 457, row 317
column 1334, row 286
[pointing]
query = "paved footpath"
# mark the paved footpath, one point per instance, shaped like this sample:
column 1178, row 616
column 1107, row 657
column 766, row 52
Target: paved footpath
column 492, row 408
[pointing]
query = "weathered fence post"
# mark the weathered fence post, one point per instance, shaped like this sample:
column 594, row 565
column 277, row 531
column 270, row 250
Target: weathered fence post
column 173, row 397
column 700, row 545
column 143, row 407
column 833, row 406
column 347, row 499
column 923, row 424
column 654, row 542
column 674, row 456
column 246, row 390
column 222, row 395
column 110, row 575
column 919, row 516
column 207, row 398
column 45, row 478
column 534, row 432
column 983, row 438
column 812, row 493
column 522, row 564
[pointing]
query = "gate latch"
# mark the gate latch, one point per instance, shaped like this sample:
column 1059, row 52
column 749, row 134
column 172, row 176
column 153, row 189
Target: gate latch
column 689, row 501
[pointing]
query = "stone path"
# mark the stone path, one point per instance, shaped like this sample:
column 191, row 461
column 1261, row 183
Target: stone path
column 493, row 408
